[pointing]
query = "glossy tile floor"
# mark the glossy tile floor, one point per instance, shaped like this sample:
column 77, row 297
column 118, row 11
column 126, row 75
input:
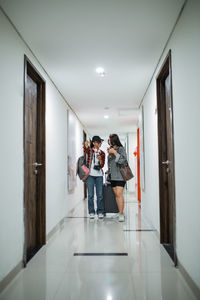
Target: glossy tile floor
column 146, row 273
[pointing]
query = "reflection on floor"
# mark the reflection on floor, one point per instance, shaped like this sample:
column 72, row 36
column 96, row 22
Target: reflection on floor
column 146, row 273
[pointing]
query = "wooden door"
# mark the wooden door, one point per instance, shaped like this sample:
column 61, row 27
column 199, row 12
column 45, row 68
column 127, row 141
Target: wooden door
column 166, row 158
column 30, row 170
column 34, row 161
column 85, row 185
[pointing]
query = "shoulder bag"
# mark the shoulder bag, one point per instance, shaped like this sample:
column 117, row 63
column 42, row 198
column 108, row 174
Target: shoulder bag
column 126, row 172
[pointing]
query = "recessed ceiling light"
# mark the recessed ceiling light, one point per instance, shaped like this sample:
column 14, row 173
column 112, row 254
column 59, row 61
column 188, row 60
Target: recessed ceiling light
column 100, row 70
column 106, row 117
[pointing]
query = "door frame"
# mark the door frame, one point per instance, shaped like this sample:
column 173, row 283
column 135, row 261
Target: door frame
column 165, row 70
column 31, row 71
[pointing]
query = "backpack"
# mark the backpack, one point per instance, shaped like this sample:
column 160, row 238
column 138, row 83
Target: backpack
column 81, row 169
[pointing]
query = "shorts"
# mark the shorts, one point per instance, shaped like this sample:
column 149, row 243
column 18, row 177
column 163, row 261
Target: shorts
column 115, row 183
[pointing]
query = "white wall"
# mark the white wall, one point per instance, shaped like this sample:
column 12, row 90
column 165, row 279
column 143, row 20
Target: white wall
column 11, row 150
column 74, row 125
column 132, row 144
column 58, row 202
column 185, row 46
column 56, row 157
column 150, row 195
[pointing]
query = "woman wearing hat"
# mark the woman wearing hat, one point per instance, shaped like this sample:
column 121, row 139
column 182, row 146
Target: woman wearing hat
column 95, row 159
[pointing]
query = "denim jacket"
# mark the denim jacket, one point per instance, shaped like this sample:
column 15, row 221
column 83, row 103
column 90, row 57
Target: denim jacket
column 114, row 163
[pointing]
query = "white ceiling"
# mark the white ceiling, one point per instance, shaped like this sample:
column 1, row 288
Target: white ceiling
column 72, row 38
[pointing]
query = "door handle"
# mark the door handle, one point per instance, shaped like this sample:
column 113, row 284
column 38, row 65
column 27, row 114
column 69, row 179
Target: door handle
column 165, row 162
column 37, row 164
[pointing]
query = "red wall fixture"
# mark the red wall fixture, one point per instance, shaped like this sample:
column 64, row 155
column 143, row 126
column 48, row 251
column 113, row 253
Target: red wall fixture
column 137, row 154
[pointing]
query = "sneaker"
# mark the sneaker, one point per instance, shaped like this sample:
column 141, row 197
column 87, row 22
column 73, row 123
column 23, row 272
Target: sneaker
column 115, row 215
column 121, row 218
column 101, row 216
column 91, row 216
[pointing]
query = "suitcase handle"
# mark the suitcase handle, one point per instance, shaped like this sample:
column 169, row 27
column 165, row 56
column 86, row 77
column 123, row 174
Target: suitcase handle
column 105, row 177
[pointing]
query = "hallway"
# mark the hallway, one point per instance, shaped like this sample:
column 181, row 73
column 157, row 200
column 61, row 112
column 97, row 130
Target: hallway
column 72, row 70
column 146, row 273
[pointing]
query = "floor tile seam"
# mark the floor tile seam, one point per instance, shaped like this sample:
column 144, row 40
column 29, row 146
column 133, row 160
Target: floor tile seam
column 135, row 230
column 57, row 253
column 99, row 256
column 145, row 253
column 112, row 251
column 74, row 217
column 130, row 272
column 133, row 252
column 50, row 271
column 112, row 272
column 150, row 273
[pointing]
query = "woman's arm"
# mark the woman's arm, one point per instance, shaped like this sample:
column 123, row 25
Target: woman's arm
column 86, row 147
column 102, row 161
column 121, row 157
column 101, row 158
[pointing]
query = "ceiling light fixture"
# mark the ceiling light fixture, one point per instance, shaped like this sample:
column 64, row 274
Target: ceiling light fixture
column 106, row 117
column 100, row 71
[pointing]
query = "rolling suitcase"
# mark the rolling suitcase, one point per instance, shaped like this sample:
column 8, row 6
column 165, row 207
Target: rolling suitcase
column 110, row 205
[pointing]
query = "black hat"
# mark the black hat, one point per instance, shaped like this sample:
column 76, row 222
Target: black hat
column 96, row 138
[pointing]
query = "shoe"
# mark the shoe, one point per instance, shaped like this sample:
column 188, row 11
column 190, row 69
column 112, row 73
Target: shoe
column 91, row 216
column 115, row 216
column 101, row 216
column 121, row 218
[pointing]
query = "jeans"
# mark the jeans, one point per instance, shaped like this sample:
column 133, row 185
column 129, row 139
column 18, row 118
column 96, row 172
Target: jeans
column 98, row 182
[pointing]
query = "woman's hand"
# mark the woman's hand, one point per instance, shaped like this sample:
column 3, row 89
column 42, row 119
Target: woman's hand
column 112, row 151
column 99, row 158
column 87, row 144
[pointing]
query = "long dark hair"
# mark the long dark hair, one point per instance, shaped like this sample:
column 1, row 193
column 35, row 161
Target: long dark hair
column 114, row 140
column 91, row 144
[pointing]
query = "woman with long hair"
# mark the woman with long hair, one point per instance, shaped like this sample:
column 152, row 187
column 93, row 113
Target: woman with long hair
column 116, row 158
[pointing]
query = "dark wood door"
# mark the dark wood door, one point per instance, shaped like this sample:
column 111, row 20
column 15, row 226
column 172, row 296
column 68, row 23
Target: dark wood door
column 30, row 169
column 166, row 158
column 168, row 167
column 34, row 161
column 85, row 185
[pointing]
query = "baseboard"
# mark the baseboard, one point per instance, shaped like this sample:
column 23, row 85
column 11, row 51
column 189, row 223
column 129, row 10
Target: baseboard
column 189, row 280
column 150, row 224
column 157, row 233
column 73, row 209
column 186, row 276
column 56, row 228
column 11, row 275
